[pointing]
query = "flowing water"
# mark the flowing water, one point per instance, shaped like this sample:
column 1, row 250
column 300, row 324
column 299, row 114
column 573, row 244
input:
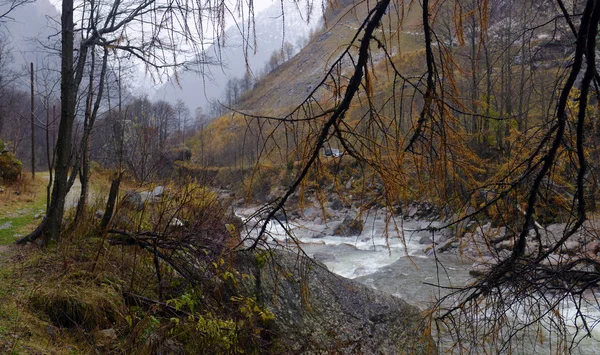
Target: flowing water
column 388, row 256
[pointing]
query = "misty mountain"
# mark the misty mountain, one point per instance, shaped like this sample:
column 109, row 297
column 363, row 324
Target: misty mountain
column 31, row 34
column 198, row 91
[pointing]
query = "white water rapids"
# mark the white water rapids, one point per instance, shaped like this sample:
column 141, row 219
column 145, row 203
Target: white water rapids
column 389, row 257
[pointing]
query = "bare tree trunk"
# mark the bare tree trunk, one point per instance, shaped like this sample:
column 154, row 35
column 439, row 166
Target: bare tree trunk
column 91, row 114
column 53, row 224
column 112, row 199
column 70, row 80
column 49, row 156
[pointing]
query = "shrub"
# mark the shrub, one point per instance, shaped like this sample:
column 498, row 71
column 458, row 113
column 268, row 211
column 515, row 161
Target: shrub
column 10, row 166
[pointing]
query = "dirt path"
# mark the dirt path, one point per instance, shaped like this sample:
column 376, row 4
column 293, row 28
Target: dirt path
column 73, row 195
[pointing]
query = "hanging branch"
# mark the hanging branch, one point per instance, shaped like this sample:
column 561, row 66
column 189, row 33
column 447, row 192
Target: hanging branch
column 372, row 22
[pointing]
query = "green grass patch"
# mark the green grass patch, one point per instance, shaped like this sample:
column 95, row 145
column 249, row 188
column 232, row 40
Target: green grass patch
column 21, row 221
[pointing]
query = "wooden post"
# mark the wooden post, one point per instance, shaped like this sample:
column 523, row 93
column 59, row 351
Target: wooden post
column 32, row 126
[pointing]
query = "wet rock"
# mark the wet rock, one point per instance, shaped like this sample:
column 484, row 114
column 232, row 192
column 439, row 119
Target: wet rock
column 592, row 248
column 478, row 270
column 446, row 245
column 361, row 271
column 280, row 216
column 336, row 205
column 317, row 311
column 481, row 267
column 571, row 247
column 465, row 225
column 322, row 257
column 349, row 227
column 505, row 245
column 412, row 211
column 425, row 240
column 318, row 236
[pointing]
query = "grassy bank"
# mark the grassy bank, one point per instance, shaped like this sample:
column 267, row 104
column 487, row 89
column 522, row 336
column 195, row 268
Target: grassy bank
column 20, row 203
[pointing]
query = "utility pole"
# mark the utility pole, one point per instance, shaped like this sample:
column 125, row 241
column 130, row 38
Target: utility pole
column 32, row 126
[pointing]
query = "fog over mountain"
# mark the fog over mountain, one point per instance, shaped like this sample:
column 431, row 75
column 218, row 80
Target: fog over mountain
column 196, row 91
column 29, row 30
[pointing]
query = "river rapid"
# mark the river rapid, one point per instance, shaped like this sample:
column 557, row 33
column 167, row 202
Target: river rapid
column 387, row 256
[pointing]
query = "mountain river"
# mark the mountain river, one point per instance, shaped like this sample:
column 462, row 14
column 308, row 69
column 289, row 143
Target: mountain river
column 396, row 264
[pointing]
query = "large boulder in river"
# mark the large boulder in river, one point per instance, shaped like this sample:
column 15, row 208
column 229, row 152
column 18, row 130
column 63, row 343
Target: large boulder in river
column 317, row 311
column 349, row 227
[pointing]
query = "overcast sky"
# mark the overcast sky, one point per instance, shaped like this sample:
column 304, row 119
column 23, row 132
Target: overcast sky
column 258, row 4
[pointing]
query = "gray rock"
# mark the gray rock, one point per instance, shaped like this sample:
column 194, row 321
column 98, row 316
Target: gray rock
column 466, row 224
column 322, row 257
column 478, row 270
column 571, row 246
column 349, row 184
column 337, row 205
column 425, row 240
column 317, row 311
column 134, row 199
column 158, row 191
column 505, row 245
column 481, row 267
column 412, row 211
column 349, row 227
column 147, row 197
column 319, row 236
column 121, row 221
column 176, row 223
column 280, row 216
column 553, row 260
column 552, row 233
column 361, row 271
column 592, row 248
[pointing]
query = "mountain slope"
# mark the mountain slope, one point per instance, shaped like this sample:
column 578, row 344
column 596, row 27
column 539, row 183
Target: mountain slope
column 197, row 91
